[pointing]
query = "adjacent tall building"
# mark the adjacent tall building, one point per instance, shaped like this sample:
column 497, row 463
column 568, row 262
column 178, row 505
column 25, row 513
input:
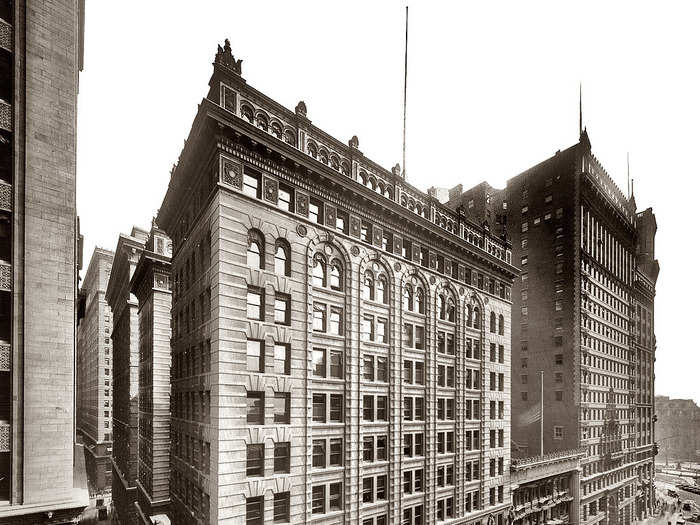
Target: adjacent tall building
column 125, row 376
column 151, row 285
column 42, row 471
column 94, row 372
column 678, row 429
column 341, row 340
column 582, row 324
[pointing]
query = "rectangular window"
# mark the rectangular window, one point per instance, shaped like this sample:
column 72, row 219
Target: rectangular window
column 335, row 497
column 336, row 364
column 318, row 357
column 283, row 358
column 256, row 408
column 255, row 460
column 382, row 372
column 367, row 328
column 281, row 507
column 368, row 368
column 368, row 448
column 319, row 317
column 319, row 453
column 336, row 410
column 341, row 222
column 367, row 490
column 368, row 408
column 316, row 211
column 256, row 355
column 285, row 198
column 281, row 408
column 336, row 321
column 336, row 454
column 319, row 408
column 256, row 303
column 381, row 448
column 254, row 511
column 283, row 308
column 382, row 331
column 387, row 241
column 282, row 458
column 381, row 488
column 318, row 499
column 366, row 231
column 382, row 408
column 251, row 183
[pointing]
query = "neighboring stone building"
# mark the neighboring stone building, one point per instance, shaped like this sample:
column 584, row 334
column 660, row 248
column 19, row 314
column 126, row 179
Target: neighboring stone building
column 125, row 375
column 587, row 267
column 678, row 430
column 341, row 340
column 42, row 470
column 94, row 369
column 545, row 488
column 151, row 285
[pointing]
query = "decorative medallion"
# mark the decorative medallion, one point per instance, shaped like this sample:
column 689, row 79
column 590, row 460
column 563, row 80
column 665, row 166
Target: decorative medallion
column 302, row 200
column 375, row 267
column 355, row 251
column 328, row 250
column 271, row 189
column 414, row 280
column 397, row 267
column 461, row 290
column 397, row 245
column 432, row 279
column 377, row 236
column 301, row 230
column 231, row 174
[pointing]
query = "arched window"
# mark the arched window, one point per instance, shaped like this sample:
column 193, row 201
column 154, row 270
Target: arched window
column 408, row 298
column 276, row 130
column 420, row 300
column 336, row 275
column 282, row 258
column 368, row 287
column 319, row 271
column 501, row 323
column 344, row 168
column 262, row 122
column 441, row 306
column 289, row 138
column 323, row 156
column 477, row 321
column 450, row 310
column 492, row 323
column 311, row 149
column 256, row 250
column 247, row 113
column 382, row 290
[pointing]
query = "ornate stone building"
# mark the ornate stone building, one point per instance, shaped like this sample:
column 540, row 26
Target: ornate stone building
column 125, row 381
column 545, row 488
column 42, row 470
column 94, row 369
column 341, row 340
column 151, row 285
column 582, row 315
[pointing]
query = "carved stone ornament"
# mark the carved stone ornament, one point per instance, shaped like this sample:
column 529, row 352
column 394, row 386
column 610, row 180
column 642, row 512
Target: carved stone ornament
column 354, row 142
column 231, row 174
column 271, row 189
column 397, row 245
column 225, row 58
column 396, row 170
column 301, row 230
column 300, row 109
column 377, row 236
column 329, row 250
column 397, row 267
column 354, row 226
column 355, row 251
column 302, row 200
column 461, row 290
column 330, row 215
column 432, row 279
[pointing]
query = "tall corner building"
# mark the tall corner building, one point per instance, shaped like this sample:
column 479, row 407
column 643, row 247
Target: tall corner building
column 341, row 340
column 150, row 284
column 583, row 318
column 125, row 375
column 94, row 372
column 42, row 469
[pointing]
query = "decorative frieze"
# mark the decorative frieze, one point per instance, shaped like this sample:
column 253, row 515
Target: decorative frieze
column 5, row 436
column 5, row 35
column 231, row 173
column 5, row 196
column 5, row 276
column 5, row 356
column 5, row 116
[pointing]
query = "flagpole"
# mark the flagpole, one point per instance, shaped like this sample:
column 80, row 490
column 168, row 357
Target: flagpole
column 541, row 412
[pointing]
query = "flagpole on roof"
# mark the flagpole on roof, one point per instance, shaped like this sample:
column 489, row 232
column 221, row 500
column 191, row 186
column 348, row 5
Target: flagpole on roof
column 405, row 84
column 541, row 412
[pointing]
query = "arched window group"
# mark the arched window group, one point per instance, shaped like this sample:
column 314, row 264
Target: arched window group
column 255, row 257
column 446, row 308
column 375, row 288
column 414, row 298
column 473, row 316
column 327, row 275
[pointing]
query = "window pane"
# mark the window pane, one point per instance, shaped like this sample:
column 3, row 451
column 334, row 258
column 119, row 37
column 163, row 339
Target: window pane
column 256, row 355
column 319, row 362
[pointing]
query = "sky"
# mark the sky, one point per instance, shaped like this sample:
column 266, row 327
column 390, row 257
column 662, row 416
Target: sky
column 493, row 88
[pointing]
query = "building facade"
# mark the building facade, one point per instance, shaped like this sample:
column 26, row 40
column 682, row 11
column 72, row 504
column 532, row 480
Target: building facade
column 42, row 476
column 341, row 340
column 151, row 286
column 584, row 271
column 94, row 368
column 545, row 488
column 124, row 387
column 677, row 429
